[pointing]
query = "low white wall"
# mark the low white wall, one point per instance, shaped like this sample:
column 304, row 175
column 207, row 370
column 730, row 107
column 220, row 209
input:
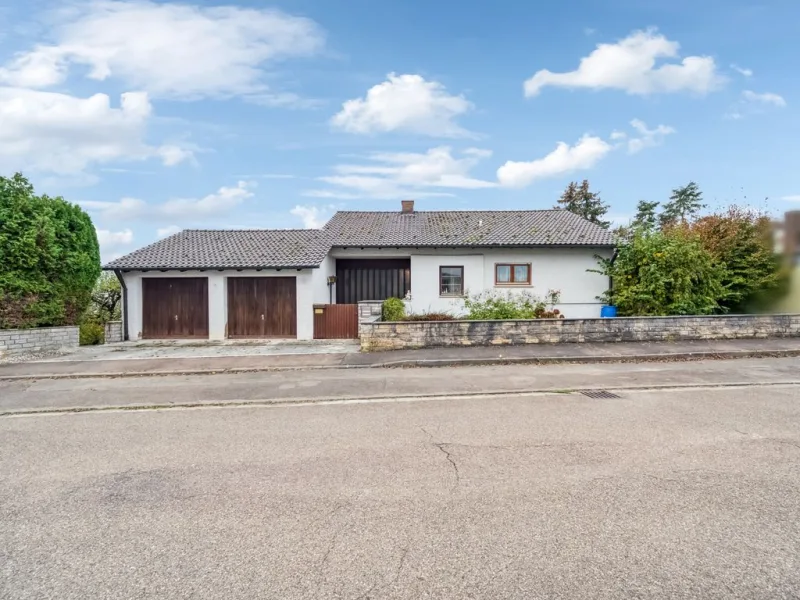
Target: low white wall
column 218, row 298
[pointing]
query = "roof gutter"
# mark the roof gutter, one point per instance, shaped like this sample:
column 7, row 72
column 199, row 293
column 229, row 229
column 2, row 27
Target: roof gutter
column 227, row 268
column 124, row 288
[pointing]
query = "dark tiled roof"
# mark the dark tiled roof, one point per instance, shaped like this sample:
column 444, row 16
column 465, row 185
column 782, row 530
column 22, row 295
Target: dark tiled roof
column 295, row 248
column 214, row 249
column 466, row 228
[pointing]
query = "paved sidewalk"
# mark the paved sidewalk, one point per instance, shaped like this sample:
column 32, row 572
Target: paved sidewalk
column 429, row 357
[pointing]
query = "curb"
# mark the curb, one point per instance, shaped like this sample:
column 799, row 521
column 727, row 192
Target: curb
column 435, row 363
column 283, row 402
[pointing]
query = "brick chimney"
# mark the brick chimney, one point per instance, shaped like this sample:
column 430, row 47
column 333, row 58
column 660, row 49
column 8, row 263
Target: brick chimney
column 407, row 207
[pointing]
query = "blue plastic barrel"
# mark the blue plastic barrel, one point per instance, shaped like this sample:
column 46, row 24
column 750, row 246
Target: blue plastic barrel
column 608, row 312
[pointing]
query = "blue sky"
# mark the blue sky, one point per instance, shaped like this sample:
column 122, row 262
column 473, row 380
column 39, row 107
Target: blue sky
column 157, row 116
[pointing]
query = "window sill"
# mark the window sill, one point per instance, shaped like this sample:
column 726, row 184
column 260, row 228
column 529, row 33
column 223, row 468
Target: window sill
column 513, row 285
column 452, row 296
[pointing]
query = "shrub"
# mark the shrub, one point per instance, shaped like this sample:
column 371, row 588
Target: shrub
column 432, row 316
column 393, row 309
column 91, row 334
column 49, row 258
column 489, row 306
column 740, row 239
column 664, row 273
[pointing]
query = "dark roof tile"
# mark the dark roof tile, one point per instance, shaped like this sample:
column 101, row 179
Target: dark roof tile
column 466, row 228
column 293, row 248
column 242, row 249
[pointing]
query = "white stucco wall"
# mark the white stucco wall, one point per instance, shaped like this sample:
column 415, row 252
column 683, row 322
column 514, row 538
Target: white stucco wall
column 425, row 295
column 564, row 269
column 320, row 281
column 218, row 298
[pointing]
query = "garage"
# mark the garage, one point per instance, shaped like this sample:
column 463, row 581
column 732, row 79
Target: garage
column 262, row 307
column 174, row 307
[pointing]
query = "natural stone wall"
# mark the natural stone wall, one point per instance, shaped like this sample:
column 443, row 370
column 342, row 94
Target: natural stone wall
column 113, row 332
column 395, row 336
column 369, row 310
column 42, row 339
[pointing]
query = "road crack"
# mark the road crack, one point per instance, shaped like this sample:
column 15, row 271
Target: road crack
column 442, row 447
column 378, row 588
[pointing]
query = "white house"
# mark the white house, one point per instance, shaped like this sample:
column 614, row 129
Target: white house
column 218, row 284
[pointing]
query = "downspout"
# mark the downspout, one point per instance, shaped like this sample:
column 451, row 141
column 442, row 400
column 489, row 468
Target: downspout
column 124, row 288
column 611, row 278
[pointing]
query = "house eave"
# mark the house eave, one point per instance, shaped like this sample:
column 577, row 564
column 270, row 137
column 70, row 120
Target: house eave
column 214, row 268
column 463, row 246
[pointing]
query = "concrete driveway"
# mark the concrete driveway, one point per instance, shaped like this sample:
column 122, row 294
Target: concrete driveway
column 180, row 349
column 677, row 493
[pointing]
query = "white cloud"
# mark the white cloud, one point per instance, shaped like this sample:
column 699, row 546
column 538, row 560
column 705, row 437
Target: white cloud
column 113, row 240
column 753, row 103
column 767, row 98
column 313, row 217
column 163, row 232
column 793, row 198
column 402, row 174
column 647, row 138
column 173, row 155
column 189, row 209
column 404, row 103
column 268, row 176
column 62, row 134
column 170, row 50
column 742, row 70
column 587, row 152
column 285, row 100
column 630, row 65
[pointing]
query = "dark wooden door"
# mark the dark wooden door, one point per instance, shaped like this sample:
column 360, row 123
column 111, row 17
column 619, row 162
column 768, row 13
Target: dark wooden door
column 358, row 280
column 336, row 321
column 174, row 307
column 262, row 307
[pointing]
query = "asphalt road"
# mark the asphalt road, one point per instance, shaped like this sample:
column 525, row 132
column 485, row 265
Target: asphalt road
column 656, row 494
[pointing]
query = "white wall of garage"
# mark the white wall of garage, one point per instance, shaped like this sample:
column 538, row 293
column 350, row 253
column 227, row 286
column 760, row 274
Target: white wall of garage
column 218, row 298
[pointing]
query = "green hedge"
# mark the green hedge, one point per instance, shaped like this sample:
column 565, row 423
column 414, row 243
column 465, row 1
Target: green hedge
column 49, row 258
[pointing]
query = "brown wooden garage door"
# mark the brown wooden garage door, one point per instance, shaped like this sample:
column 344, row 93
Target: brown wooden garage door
column 174, row 307
column 262, row 307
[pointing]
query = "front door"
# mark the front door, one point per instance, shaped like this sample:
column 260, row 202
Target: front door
column 262, row 307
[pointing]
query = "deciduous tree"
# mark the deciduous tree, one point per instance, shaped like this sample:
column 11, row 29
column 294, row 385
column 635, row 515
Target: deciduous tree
column 663, row 273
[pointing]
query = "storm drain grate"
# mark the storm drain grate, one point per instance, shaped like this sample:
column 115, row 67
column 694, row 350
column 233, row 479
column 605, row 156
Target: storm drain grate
column 599, row 394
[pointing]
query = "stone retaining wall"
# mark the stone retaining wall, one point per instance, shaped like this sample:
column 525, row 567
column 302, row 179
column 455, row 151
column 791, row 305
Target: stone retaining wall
column 41, row 339
column 113, row 332
column 396, row 336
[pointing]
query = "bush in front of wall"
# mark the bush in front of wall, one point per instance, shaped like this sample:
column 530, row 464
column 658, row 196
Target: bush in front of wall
column 91, row 334
column 393, row 309
column 430, row 317
column 492, row 306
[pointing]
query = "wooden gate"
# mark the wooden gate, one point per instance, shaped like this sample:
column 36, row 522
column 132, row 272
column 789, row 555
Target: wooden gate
column 336, row 321
column 174, row 307
column 262, row 307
